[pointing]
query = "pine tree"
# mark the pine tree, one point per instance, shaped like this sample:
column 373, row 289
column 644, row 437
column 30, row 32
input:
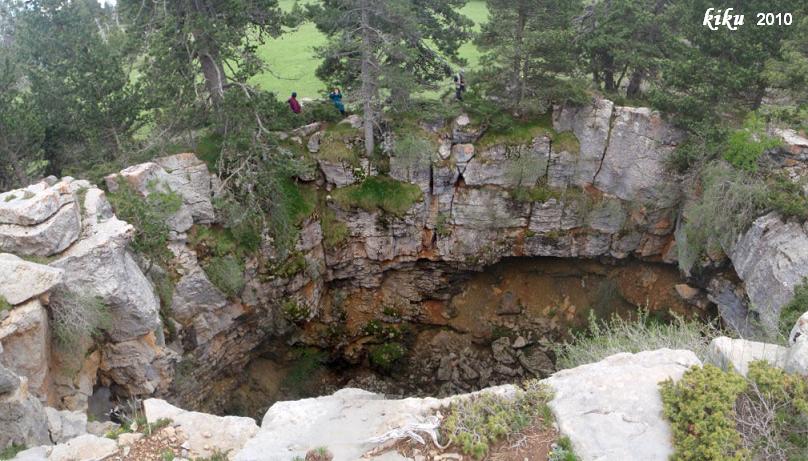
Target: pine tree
column 78, row 73
column 389, row 49
column 212, row 40
column 528, row 47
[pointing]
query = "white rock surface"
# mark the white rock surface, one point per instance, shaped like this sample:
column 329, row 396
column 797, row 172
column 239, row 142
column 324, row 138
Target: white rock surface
column 204, row 432
column 47, row 238
column 84, row 448
column 343, row 422
column 612, row 410
column 738, row 353
column 33, row 204
column 64, row 425
column 25, row 345
column 21, row 280
column 800, row 329
column 100, row 265
column 771, row 258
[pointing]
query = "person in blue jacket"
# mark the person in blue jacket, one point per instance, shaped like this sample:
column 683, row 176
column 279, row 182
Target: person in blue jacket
column 336, row 98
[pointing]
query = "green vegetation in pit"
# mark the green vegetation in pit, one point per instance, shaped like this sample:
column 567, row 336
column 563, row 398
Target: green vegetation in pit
column 746, row 145
column 307, row 362
column 295, row 311
column 386, row 356
column 379, row 193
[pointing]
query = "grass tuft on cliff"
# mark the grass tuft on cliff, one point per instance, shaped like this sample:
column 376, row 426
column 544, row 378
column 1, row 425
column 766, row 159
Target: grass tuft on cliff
column 379, row 193
column 605, row 338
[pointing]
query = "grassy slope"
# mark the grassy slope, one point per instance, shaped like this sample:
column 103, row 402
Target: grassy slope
column 292, row 62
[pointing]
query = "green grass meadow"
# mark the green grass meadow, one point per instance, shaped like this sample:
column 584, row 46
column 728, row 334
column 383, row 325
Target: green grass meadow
column 291, row 62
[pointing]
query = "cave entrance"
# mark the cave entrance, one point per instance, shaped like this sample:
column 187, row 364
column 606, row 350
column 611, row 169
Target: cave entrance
column 434, row 329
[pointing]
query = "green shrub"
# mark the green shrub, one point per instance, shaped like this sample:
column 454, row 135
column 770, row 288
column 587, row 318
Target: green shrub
column 787, row 198
column 226, row 273
column 563, row 451
column 730, row 201
column 209, row 149
column 717, row 415
column 11, row 451
column 605, row 338
column 167, row 455
column 386, row 356
column 4, row 304
column 379, row 193
column 772, row 414
column 701, row 410
column 745, row 146
column 474, row 424
column 77, row 317
column 792, row 311
column 148, row 215
column 294, row 311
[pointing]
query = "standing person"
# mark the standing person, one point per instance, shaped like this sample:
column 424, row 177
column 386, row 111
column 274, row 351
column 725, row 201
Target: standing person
column 460, row 85
column 336, row 98
column 294, row 104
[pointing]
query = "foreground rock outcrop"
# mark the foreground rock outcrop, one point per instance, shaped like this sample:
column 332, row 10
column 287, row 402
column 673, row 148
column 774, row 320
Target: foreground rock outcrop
column 612, row 409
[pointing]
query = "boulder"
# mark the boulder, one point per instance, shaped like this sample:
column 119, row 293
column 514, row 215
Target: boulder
column 344, row 422
column 138, row 367
column 25, row 345
column 797, row 358
column 737, row 354
column 190, row 177
column 39, row 453
column 612, row 409
column 100, row 265
column 22, row 419
column 771, row 258
column 204, row 432
column 86, row 447
column 21, row 280
column 47, row 238
column 64, row 425
column 341, row 174
column 800, row 329
column 33, row 204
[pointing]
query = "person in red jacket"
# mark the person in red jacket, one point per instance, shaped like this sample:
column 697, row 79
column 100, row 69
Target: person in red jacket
column 293, row 104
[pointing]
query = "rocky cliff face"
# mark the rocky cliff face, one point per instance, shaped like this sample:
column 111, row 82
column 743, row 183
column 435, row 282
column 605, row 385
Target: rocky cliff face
column 592, row 185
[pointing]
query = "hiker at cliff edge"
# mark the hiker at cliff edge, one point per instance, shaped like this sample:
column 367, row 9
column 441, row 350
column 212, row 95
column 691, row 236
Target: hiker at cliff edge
column 294, row 104
column 460, row 85
column 336, row 98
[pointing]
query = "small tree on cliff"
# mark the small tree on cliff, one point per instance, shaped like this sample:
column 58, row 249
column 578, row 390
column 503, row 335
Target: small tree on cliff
column 527, row 46
column 388, row 48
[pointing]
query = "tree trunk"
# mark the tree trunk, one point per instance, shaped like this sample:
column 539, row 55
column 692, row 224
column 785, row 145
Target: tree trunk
column 634, row 84
column 368, row 85
column 214, row 76
column 517, row 79
column 608, row 72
